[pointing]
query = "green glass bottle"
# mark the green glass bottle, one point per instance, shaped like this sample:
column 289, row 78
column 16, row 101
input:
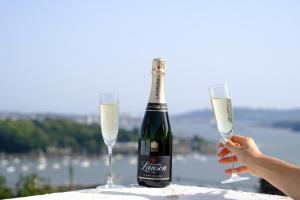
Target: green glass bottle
column 155, row 139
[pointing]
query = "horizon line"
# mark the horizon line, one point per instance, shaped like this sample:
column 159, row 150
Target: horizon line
column 130, row 113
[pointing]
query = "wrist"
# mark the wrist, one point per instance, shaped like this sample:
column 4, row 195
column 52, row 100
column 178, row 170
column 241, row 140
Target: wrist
column 257, row 165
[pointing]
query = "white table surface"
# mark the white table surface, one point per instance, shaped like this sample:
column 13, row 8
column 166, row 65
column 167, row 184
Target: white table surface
column 172, row 192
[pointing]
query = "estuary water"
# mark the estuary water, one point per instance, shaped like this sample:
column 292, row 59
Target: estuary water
column 191, row 169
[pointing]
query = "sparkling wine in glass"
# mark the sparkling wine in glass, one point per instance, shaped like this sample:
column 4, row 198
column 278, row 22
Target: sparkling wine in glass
column 221, row 104
column 109, row 121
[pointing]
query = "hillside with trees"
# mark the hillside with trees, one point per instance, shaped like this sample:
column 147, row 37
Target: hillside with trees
column 27, row 136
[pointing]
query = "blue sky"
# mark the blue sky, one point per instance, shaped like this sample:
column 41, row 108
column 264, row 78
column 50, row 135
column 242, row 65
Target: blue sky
column 57, row 56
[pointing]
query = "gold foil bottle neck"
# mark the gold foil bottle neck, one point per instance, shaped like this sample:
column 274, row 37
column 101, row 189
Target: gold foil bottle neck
column 159, row 65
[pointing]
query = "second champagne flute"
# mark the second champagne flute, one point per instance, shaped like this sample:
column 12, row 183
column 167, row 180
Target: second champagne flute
column 221, row 103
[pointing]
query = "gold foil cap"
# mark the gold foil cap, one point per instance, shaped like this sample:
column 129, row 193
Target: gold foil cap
column 159, row 65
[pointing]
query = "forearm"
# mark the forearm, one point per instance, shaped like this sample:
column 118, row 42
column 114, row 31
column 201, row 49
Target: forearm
column 281, row 174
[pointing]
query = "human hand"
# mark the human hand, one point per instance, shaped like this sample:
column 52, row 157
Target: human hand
column 245, row 151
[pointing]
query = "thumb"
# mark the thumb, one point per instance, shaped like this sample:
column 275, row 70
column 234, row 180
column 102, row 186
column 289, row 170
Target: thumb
column 231, row 146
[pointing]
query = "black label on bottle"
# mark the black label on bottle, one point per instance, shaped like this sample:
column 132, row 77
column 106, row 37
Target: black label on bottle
column 154, row 167
column 162, row 107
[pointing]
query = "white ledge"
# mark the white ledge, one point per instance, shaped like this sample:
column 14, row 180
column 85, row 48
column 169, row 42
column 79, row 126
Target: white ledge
column 172, row 192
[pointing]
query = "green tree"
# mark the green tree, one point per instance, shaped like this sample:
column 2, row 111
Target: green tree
column 24, row 136
column 5, row 191
column 128, row 135
column 32, row 185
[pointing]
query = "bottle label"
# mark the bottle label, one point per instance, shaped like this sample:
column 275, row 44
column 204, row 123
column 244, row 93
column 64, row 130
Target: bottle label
column 157, row 94
column 154, row 167
column 161, row 107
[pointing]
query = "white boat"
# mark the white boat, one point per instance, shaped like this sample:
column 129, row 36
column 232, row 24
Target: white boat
column 25, row 168
column 179, row 158
column 42, row 162
column 106, row 160
column 42, row 166
column 118, row 157
column 42, row 159
column 203, row 158
column 56, row 166
column 85, row 164
column 11, row 169
column 4, row 163
column 200, row 157
column 17, row 160
column 132, row 161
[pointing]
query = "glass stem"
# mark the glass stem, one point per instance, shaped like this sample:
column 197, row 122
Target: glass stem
column 109, row 181
column 232, row 163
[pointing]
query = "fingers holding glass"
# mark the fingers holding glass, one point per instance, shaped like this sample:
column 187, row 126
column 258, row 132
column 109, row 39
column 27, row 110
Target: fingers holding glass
column 238, row 140
column 237, row 170
column 227, row 160
column 223, row 152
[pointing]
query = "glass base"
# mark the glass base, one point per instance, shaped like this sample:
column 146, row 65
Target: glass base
column 109, row 186
column 234, row 178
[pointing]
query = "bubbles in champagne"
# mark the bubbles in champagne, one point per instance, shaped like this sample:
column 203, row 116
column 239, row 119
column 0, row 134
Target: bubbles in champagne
column 109, row 122
column 223, row 115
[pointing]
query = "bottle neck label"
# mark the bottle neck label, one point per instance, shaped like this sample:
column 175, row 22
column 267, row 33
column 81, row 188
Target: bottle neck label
column 157, row 100
column 160, row 107
column 157, row 94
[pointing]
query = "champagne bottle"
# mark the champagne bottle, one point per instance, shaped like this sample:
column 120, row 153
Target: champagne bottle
column 155, row 139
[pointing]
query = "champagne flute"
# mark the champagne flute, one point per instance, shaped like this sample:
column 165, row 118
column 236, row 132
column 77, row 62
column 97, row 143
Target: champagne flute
column 109, row 121
column 221, row 104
